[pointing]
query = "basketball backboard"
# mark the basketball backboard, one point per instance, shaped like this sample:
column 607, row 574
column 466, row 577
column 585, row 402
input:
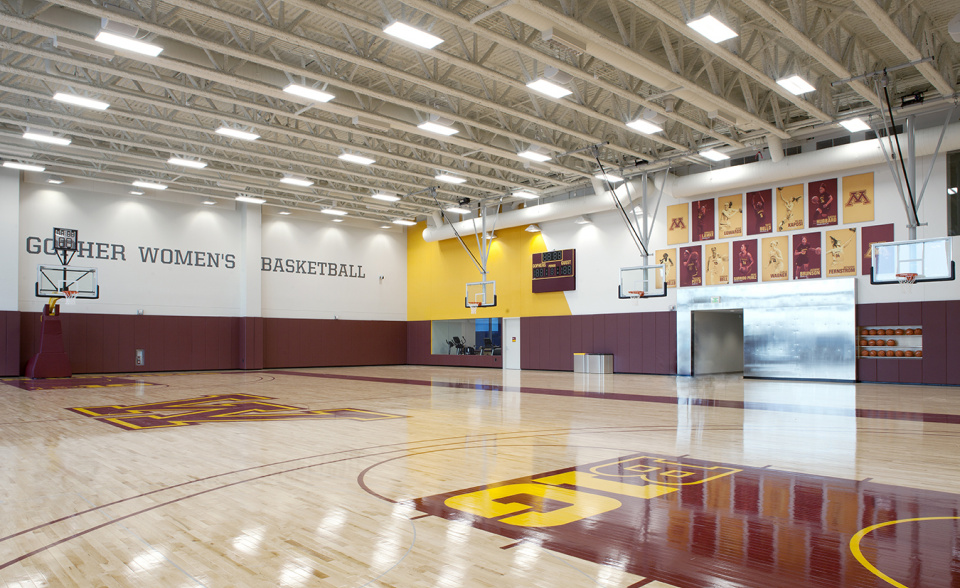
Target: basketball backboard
column 648, row 279
column 481, row 293
column 930, row 259
column 53, row 280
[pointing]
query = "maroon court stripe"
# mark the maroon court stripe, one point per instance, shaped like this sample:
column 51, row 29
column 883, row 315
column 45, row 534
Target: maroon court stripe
column 864, row 413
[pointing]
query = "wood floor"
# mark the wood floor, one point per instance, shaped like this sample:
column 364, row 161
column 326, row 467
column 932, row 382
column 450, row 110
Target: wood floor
column 414, row 476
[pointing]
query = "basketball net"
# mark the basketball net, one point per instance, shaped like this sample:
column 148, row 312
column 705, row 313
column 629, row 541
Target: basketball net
column 473, row 306
column 70, row 297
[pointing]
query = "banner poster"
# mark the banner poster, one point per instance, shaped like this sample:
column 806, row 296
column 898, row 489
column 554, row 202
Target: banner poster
column 841, row 255
column 823, row 203
column 858, row 198
column 668, row 257
column 730, row 216
column 703, row 227
column 774, row 260
column 790, row 208
column 869, row 236
column 678, row 223
column 691, row 273
column 759, row 212
column 806, row 256
column 717, row 262
column 745, row 261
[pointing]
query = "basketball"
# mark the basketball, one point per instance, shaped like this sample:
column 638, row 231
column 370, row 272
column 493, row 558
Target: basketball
column 872, row 332
column 908, row 332
column 889, row 352
column 871, row 342
column 908, row 353
column 864, row 353
column 888, row 332
column 864, row 332
column 918, row 354
column 898, row 332
column 918, row 331
column 880, row 343
column 891, row 342
column 873, row 353
column 863, row 342
column 899, row 353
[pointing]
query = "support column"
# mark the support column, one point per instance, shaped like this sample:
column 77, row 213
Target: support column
column 251, row 321
column 9, row 272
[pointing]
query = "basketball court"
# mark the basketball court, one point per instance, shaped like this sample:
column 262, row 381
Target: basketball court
column 420, row 476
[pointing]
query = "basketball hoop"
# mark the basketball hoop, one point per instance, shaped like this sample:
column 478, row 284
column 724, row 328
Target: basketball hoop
column 70, row 297
column 636, row 295
column 907, row 278
column 473, row 306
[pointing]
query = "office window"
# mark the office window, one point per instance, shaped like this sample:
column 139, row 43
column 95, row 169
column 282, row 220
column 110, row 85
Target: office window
column 953, row 193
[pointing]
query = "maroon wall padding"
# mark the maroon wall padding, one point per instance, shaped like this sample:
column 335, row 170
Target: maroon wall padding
column 418, row 350
column 251, row 343
column 939, row 319
column 641, row 343
column 98, row 343
column 320, row 342
column 9, row 343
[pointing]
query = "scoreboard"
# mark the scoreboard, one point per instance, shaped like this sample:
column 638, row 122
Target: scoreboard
column 555, row 271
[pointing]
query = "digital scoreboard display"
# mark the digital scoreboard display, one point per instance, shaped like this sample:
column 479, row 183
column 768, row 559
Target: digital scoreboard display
column 554, row 271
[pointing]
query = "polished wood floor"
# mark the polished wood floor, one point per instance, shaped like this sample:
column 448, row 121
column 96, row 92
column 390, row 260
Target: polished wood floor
column 414, row 476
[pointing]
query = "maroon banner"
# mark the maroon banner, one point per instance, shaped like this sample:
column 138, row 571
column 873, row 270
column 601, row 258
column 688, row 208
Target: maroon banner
column 703, row 221
column 745, row 261
column 806, row 256
column 869, row 236
column 691, row 266
column 823, row 203
column 554, row 271
column 760, row 213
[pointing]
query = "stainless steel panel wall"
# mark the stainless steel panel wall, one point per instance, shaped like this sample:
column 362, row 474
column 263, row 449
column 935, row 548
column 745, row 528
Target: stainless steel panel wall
column 803, row 329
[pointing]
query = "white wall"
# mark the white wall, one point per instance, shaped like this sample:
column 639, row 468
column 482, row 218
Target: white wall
column 358, row 256
column 604, row 246
column 9, row 215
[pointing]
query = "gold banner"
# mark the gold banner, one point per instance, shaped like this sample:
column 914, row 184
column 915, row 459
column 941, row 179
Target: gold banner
column 717, row 260
column 841, row 253
column 774, row 261
column 678, row 224
column 790, row 208
column 668, row 257
column 731, row 216
column 858, row 198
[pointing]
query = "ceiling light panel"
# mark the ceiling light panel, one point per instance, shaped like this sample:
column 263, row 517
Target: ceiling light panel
column 80, row 101
column 46, row 138
column 644, row 126
column 128, row 43
column 854, row 125
column 237, row 134
column 432, row 127
column 150, row 185
column 413, row 35
column 796, row 85
column 714, row 155
column 296, row 181
column 711, row 28
column 386, row 197
column 534, row 155
column 449, row 179
column 308, row 93
column 23, row 166
column 250, row 199
column 194, row 163
column 548, row 88
column 358, row 159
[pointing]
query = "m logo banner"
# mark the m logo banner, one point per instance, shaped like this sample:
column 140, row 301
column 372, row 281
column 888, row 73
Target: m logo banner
column 219, row 408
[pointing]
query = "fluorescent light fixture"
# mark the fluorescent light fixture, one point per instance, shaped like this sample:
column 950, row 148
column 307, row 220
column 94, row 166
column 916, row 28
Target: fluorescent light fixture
column 308, row 93
column 23, row 166
column 385, row 197
column 236, row 134
column 54, row 180
column 534, row 155
column 583, row 220
column 610, row 177
column 525, row 195
column 413, row 35
column 337, row 220
column 449, row 179
column 136, row 192
column 457, row 210
column 46, row 138
column 644, row 126
column 284, row 212
column 384, row 226
column 128, row 43
column 855, row 124
column 250, row 199
column 149, row 185
column 80, row 101
column 711, row 28
column 534, row 228
column 356, row 158
column 194, row 163
column 549, row 88
column 209, row 202
column 333, row 211
column 404, row 222
column 296, row 181
column 489, row 236
column 432, row 127
column 952, row 190
column 796, row 85
column 714, row 155
column 81, row 47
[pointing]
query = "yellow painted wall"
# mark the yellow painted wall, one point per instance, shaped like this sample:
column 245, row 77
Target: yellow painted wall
column 438, row 272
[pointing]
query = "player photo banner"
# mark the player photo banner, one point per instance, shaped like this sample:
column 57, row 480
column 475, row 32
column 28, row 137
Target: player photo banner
column 668, row 257
column 745, row 261
column 703, row 227
column 790, row 208
column 691, row 268
column 774, row 260
column 678, row 223
column 806, row 256
column 823, row 203
column 869, row 236
column 717, row 261
column 858, row 198
column 759, row 212
column 841, row 254
column 730, row 216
